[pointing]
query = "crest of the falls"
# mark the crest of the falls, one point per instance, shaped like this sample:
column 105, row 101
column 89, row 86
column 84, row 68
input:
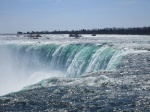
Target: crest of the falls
column 73, row 60
column 26, row 64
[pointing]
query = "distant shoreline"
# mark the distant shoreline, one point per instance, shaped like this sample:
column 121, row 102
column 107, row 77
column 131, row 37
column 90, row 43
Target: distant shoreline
column 82, row 34
column 104, row 31
column 119, row 31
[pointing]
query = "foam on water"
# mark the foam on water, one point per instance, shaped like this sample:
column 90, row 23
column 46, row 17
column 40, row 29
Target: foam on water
column 26, row 61
column 88, row 81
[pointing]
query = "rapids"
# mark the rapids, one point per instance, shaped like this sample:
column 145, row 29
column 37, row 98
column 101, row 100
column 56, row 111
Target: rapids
column 58, row 73
column 26, row 61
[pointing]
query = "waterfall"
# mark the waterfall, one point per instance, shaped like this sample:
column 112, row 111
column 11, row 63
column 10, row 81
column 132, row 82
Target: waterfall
column 25, row 64
column 73, row 60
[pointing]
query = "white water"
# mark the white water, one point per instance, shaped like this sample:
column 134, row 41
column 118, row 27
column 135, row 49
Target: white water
column 17, row 74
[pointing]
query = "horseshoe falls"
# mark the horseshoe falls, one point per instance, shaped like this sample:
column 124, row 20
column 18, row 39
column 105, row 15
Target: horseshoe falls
column 72, row 69
column 70, row 60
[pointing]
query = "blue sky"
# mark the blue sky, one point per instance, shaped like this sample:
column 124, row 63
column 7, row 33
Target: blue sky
column 41, row 15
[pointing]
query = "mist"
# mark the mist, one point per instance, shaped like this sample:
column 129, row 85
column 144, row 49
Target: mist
column 17, row 73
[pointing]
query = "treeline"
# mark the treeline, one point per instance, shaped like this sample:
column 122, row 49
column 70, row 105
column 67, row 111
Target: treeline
column 132, row 31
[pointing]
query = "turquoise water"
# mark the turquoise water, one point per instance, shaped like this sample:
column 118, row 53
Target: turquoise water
column 73, row 60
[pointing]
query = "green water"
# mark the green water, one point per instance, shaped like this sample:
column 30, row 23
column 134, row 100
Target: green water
column 72, row 59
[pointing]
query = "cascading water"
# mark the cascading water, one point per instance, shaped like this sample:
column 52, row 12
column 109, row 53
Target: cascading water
column 59, row 73
column 28, row 62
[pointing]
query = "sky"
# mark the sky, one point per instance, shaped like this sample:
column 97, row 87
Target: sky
column 49, row 15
